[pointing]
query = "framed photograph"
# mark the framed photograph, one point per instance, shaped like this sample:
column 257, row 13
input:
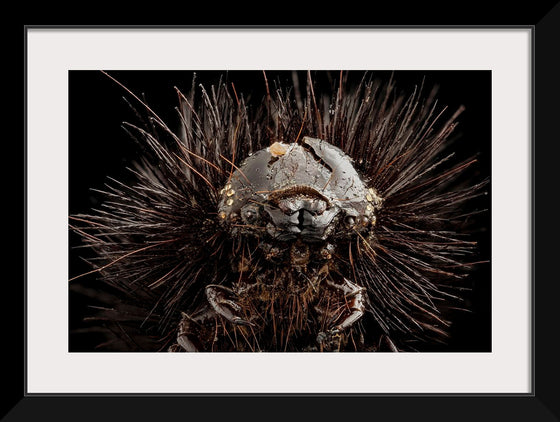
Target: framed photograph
column 207, row 221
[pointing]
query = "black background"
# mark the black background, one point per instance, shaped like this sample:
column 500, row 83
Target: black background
column 99, row 148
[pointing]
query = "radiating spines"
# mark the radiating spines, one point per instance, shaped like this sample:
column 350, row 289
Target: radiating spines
column 160, row 234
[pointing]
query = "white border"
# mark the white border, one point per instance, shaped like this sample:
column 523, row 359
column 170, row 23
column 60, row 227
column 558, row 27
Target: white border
column 52, row 52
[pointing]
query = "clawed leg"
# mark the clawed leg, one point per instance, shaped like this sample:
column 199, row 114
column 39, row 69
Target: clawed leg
column 184, row 334
column 221, row 300
column 196, row 332
column 355, row 302
column 190, row 332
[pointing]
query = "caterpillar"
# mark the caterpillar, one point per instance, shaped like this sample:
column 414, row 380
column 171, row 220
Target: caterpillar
column 319, row 212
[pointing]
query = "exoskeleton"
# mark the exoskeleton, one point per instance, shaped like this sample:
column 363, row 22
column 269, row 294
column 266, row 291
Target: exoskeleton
column 299, row 205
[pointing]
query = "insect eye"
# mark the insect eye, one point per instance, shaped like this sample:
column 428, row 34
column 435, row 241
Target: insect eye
column 250, row 214
column 350, row 221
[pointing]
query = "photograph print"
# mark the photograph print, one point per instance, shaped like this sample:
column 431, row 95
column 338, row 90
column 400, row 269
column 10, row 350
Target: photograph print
column 279, row 211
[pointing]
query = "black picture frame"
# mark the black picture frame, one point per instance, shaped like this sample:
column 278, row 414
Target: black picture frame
column 541, row 405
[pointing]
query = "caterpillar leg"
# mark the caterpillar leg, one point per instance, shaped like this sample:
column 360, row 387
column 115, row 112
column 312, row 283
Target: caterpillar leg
column 354, row 298
column 221, row 299
column 192, row 332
